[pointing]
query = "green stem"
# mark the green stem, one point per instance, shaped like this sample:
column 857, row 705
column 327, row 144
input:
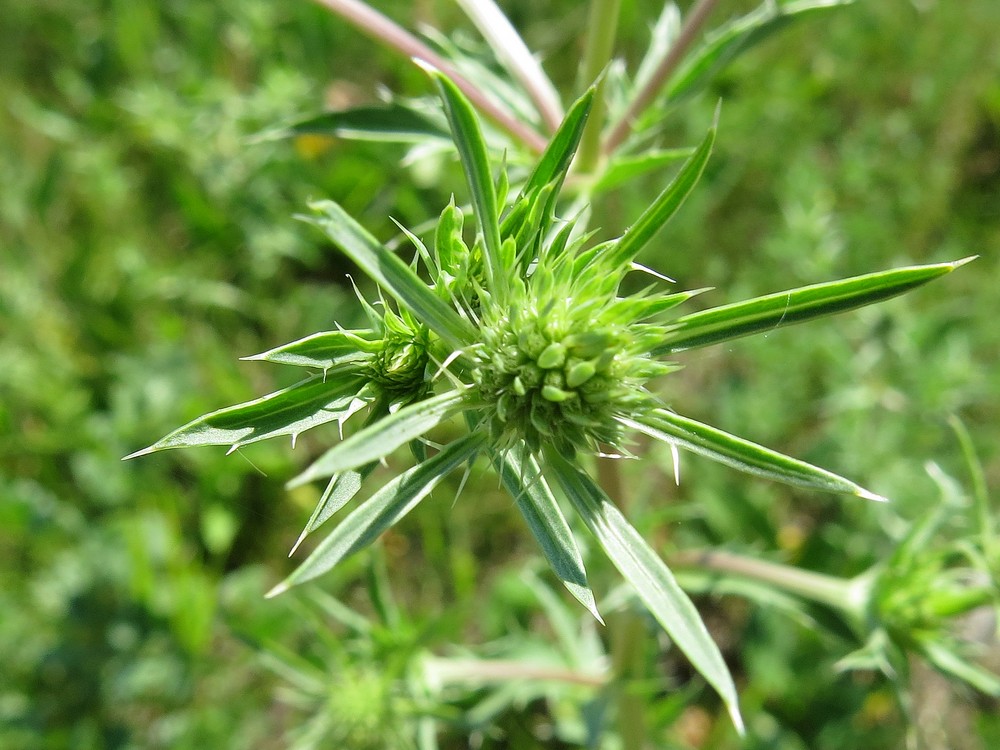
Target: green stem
column 693, row 23
column 602, row 25
column 382, row 29
column 628, row 640
column 846, row 595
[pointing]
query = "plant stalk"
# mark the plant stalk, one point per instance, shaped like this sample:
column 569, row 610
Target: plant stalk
column 384, row 30
column 842, row 594
column 516, row 57
column 693, row 24
column 602, row 24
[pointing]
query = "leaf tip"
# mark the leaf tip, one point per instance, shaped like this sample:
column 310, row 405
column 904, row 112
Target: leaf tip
column 144, row 452
column 281, row 588
column 426, row 66
column 302, row 536
column 961, row 262
column 869, row 495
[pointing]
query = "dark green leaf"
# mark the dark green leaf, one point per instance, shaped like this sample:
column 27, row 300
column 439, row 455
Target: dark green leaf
column 392, row 122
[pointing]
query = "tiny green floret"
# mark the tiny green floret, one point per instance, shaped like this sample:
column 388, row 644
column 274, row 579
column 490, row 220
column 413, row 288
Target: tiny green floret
column 561, row 366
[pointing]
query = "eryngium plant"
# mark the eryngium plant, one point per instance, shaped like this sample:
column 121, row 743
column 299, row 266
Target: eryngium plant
column 527, row 334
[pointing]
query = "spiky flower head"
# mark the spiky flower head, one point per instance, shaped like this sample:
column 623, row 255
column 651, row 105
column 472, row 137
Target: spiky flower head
column 545, row 357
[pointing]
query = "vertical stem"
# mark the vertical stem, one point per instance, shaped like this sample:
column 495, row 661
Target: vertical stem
column 689, row 32
column 628, row 639
column 602, row 26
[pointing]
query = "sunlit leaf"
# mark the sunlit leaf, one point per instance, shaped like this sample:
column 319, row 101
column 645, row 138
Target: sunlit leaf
column 391, row 273
column 468, row 137
column 522, row 478
column 558, row 155
column 948, row 661
column 385, row 436
column 515, row 56
column 665, row 206
column 629, row 168
column 649, row 577
column 290, row 411
column 773, row 311
column 741, row 454
column 323, row 350
column 387, row 506
column 728, row 41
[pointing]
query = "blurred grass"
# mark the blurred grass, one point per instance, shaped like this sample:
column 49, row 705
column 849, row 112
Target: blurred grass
column 145, row 244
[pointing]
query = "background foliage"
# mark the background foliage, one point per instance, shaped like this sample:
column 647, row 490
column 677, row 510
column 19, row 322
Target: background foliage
column 147, row 242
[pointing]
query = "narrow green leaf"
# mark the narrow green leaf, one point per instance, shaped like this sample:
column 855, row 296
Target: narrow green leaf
column 523, row 479
column 397, row 498
column 385, row 436
column 628, row 168
column 290, row 411
column 649, row 577
column 343, row 486
column 947, row 661
column 730, row 40
column 558, row 155
column 741, row 454
column 468, row 137
column 323, row 350
column 796, row 305
column 395, row 122
column 391, row 273
column 664, row 32
column 665, row 206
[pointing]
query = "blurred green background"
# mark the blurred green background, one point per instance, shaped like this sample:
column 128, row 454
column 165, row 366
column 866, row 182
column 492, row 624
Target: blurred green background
column 147, row 242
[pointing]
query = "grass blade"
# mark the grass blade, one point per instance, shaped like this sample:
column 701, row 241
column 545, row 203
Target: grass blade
column 397, row 498
column 391, row 273
column 523, row 479
column 290, row 411
column 796, row 305
column 649, row 577
column 385, row 436
column 741, row 454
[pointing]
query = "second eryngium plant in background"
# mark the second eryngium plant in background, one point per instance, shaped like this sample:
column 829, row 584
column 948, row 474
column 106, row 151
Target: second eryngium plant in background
column 526, row 333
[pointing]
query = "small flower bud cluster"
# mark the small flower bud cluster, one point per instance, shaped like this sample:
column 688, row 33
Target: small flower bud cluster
column 552, row 379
